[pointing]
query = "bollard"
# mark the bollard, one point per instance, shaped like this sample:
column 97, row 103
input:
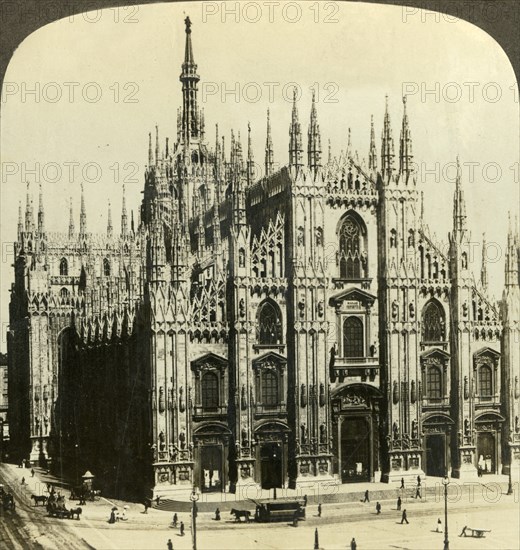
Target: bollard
column 316, row 540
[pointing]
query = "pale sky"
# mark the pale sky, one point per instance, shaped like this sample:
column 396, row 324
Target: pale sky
column 117, row 72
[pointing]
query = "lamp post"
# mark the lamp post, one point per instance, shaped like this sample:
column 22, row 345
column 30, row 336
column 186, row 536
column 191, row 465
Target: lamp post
column 194, row 497
column 510, row 480
column 446, row 482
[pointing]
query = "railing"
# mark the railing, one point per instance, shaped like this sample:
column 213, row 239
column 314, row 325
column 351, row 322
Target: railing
column 364, row 367
column 340, row 282
column 270, row 410
column 209, row 411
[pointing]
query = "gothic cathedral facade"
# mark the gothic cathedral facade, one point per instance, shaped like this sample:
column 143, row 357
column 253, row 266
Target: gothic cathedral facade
column 275, row 331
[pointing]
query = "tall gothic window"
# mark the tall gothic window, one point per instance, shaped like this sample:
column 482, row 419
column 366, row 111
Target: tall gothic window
column 434, row 383
column 353, row 345
column 64, row 267
column 106, row 267
column 352, row 255
column 485, row 381
column 209, row 390
column 270, row 395
column 433, row 324
column 269, row 324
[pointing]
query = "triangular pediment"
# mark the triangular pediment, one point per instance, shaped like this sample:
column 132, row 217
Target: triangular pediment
column 211, row 358
column 487, row 351
column 354, row 294
column 270, row 357
column 436, row 352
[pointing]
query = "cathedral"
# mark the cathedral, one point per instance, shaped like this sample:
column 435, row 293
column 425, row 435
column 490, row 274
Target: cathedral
column 280, row 330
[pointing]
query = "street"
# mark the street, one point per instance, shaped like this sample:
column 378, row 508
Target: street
column 487, row 508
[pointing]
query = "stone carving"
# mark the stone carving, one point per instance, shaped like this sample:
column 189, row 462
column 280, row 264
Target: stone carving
column 322, row 395
column 413, row 393
column 161, row 399
column 415, row 431
column 243, row 398
column 323, row 433
column 395, row 310
column 395, row 431
column 320, row 309
column 303, row 395
column 303, row 430
column 162, row 444
column 466, row 388
column 300, row 239
column 242, row 308
column 319, row 236
column 411, row 309
column 395, row 393
column 351, row 399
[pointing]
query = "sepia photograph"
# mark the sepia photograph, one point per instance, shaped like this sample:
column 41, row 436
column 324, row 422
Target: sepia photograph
column 260, row 277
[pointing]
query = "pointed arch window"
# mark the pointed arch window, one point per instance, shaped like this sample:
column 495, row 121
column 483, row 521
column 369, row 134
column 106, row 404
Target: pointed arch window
column 64, row 267
column 352, row 249
column 106, row 267
column 485, row 381
column 209, row 391
column 269, row 324
column 353, row 343
column 433, row 323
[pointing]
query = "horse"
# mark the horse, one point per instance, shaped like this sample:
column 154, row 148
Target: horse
column 75, row 512
column 39, row 498
column 241, row 514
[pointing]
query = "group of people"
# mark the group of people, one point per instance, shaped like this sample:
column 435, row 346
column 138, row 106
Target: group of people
column 116, row 516
column 175, row 522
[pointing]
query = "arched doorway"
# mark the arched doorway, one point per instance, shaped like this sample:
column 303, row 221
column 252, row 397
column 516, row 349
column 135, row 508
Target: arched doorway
column 355, row 410
column 436, row 431
column 486, row 453
column 272, row 454
column 355, row 449
column 211, row 457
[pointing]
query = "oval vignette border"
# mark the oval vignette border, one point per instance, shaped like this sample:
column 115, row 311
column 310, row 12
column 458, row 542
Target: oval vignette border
column 501, row 21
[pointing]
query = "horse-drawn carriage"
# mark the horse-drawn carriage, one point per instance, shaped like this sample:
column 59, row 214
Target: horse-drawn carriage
column 56, row 508
column 84, row 493
column 7, row 500
column 272, row 511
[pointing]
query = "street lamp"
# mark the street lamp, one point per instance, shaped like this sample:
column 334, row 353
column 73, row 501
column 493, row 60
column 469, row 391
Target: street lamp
column 510, row 480
column 194, row 497
column 446, row 482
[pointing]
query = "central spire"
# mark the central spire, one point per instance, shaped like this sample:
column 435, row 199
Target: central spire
column 189, row 79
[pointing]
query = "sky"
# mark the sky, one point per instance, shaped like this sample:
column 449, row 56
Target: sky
column 80, row 96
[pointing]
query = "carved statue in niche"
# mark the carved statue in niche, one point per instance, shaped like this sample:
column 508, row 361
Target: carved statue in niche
column 245, row 441
column 413, row 393
column 319, row 236
column 465, row 309
column 395, row 310
column 241, row 258
column 395, row 431
column 466, row 388
column 322, row 395
column 333, row 353
column 300, row 238
column 320, row 308
column 162, row 444
column 182, row 440
column 172, row 452
column 411, row 309
column 517, row 392
column 303, row 430
column 303, row 395
column 301, row 306
column 243, row 399
column 237, row 448
column 182, row 407
column 395, row 393
column 466, row 427
column 415, row 431
column 242, row 308
column 373, row 350
column 323, row 433
column 517, row 424
column 161, row 399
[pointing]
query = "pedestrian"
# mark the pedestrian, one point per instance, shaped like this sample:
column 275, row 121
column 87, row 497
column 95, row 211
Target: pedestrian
column 439, row 526
column 418, row 492
column 353, row 544
column 157, row 500
column 319, row 509
column 399, row 501
column 175, row 519
column 404, row 517
column 23, row 481
column 169, row 544
column 146, row 505
column 463, row 531
column 367, row 499
column 402, row 483
column 378, row 508
column 217, row 514
column 305, row 500
column 112, row 518
column 181, row 529
column 32, row 472
column 419, row 480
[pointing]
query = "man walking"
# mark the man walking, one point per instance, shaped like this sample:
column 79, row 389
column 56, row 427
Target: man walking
column 402, row 483
column 181, row 528
column 353, row 544
column 399, row 501
column 169, row 544
column 378, row 508
column 418, row 492
column 319, row 510
column 367, row 499
column 404, row 517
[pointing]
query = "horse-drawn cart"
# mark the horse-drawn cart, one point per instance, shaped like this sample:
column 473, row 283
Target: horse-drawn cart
column 279, row 510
